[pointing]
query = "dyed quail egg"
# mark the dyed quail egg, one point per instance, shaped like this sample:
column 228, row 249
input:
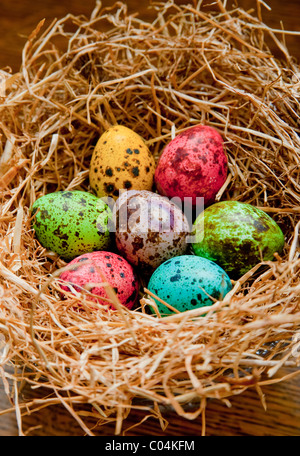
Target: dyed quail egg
column 149, row 228
column 237, row 236
column 91, row 270
column 71, row 223
column 187, row 282
column 193, row 165
column 121, row 160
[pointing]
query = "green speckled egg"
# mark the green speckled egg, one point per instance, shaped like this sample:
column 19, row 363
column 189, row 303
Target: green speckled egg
column 236, row 236
column 186, row 282
column 71, row 223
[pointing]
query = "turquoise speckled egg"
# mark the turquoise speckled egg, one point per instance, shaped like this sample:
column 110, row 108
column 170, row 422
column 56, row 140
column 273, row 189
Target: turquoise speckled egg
column 186, row 282
column 71, row 223
column 236, row 236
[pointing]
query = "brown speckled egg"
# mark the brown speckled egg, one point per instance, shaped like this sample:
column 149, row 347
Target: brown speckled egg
column 121, row 160
column 150, row 229
column 92, row 269
column 193, row 165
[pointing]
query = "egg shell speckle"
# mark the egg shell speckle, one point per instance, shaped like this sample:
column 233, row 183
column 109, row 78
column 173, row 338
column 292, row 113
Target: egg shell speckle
column 180, row 282
column 72, row 222
column 121, row 160
column 99, row 267
column 236, row 235
column 149, row 229
column 193, row 164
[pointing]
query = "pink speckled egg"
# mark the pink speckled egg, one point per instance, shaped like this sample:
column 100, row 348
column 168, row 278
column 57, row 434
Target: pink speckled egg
column 193, row 164
column 97, row 267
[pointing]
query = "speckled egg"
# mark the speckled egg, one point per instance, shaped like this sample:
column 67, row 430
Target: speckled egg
column 187, row 282
column 92, row 269
column 149, row 228
column 72, row 222
column 121, row 160
column 236, row 236
column 193, row 164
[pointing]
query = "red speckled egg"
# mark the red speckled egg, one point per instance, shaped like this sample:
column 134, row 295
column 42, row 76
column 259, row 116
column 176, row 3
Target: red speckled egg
column 116, row 271
column 193, row 164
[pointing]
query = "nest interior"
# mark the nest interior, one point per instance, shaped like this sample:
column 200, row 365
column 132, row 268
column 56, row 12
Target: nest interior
column 78, row 77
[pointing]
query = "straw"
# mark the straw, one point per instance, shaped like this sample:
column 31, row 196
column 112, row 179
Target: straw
column 80, row 76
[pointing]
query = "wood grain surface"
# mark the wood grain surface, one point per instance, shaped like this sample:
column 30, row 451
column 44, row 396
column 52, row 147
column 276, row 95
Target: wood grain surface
column 245, row 416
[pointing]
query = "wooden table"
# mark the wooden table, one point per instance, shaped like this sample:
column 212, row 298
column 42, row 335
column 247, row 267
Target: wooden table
column 246, row 416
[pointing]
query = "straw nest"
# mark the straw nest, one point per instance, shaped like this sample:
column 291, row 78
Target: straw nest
column 82, row 75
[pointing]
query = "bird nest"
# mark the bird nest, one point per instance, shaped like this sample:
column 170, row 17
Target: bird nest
column 188, row 66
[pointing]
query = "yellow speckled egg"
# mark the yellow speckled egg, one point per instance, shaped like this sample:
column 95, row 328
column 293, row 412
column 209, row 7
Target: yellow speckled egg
column 120, row 161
